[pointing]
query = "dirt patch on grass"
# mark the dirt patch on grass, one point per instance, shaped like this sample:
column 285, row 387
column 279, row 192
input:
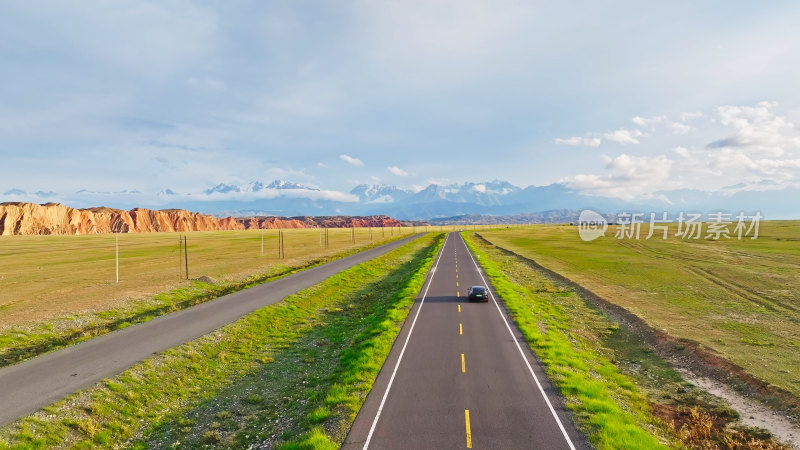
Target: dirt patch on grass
column 751, row 412
column 743, row 391
column 700, row 429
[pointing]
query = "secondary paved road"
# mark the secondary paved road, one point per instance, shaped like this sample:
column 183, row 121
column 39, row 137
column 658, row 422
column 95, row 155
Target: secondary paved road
column 460, row 375
column 41, row 381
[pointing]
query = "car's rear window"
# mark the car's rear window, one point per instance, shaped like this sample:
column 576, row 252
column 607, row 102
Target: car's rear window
column 479, row 290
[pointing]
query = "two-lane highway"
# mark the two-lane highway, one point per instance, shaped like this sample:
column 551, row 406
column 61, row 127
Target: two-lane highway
column 461, row 376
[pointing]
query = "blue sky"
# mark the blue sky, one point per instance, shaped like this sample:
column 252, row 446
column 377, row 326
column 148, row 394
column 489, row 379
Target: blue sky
column 611, row 98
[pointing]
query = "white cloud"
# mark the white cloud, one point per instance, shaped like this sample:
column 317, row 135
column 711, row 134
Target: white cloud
column 730, row 161
column 312, row 194
column 626, row 176
column 679, row 128
column 682, row 151
column 382, row 199
column 653, row 123
column 284, row 97
column 397, row 171
column 759, row 129
column 758, row 149
column 645, row 122
column 761, row 147
column 624, row 136
column 321, row 195
column 374, row 179
column 580, row 141
column 350, row 160
column 479, row 188
column 689, row 116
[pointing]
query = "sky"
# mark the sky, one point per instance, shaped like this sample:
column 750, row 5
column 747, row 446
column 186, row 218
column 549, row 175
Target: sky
column 618, row 98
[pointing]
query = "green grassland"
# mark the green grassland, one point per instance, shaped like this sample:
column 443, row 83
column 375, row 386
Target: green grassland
column 737, row 298
column 291, row 375
column 621, row 393
column 57, row 290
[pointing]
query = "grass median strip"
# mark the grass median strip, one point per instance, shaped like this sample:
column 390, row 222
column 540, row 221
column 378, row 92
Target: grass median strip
column 293, row 374
column 611, row 381
column 32, row 340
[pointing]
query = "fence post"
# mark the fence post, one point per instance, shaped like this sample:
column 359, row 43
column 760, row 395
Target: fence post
column 186, row 255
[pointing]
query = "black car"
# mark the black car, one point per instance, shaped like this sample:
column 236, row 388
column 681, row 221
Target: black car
column 478, row 294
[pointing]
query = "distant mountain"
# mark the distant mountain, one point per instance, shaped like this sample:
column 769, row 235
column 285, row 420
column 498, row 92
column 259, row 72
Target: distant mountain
column 281, row 184
column 255, row 186
column 481, row 194
column 485, row 194
column 499, row 198
column 553, row 216
column 481, row 198
column 478, row 199
column 380, row 193
column 432, row 193
column 124, row 191
column 223, row 189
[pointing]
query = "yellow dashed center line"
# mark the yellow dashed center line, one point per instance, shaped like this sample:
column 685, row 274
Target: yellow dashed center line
column 469, row 432
column 460, row 329
column 463, row 364
column 458, row 293
column 459, row 308
column 456, row 283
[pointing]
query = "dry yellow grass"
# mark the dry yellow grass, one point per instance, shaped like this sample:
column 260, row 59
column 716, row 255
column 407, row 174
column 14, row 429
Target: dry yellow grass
column 49, row 277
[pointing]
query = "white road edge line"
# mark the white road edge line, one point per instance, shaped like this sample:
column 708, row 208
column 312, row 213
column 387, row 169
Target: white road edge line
column 524, row 358
column 410, row 330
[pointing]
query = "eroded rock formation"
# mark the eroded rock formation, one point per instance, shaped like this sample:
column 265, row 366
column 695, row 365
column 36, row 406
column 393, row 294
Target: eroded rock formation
column 55, row 218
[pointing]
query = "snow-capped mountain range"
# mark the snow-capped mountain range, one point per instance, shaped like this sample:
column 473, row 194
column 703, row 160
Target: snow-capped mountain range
column 489, row 193
column 496, row 198
column 256, row 186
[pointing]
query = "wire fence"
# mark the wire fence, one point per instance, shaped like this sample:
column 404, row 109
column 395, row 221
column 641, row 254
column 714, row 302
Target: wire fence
column 53, row 276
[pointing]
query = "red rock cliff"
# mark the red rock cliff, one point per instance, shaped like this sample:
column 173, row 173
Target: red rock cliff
column 55, row 218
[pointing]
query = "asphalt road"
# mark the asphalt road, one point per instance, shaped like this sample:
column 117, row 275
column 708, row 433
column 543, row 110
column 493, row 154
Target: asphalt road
column 41, row 381
column 460, row 375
